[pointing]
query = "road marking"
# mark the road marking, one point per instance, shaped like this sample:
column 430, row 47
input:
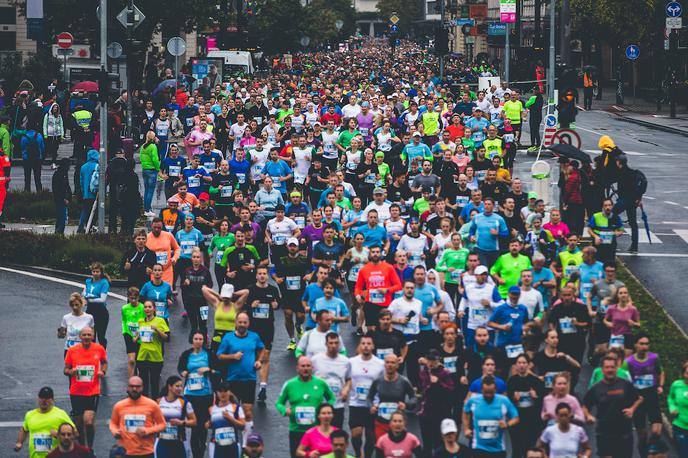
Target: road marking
column 683, row 233
column 619, row 108
column 674, row 222
column 57, row 280
column 642, row 236
column 670, row 202
column 648, row 197
column 654, row 255
column 630, row 153
column 11, row 424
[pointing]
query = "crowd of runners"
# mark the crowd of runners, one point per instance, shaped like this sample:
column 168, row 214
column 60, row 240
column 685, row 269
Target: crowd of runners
column 355, row 193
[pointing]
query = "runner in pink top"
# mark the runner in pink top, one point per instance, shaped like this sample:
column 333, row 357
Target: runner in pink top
column 398, row 443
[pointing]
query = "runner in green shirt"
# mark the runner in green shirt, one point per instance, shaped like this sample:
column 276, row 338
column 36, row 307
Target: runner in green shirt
column 132, row 313
column 220, row 242
column 507, row 270
column 453, row 261
column 678, row 400
column 304, row 393
column 153, row 331
column 344, row 140
column 41, row 425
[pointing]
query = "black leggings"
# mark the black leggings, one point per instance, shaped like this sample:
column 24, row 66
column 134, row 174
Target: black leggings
column 192, row 305
column 149, row 372
column 101, row 318
column 220, row 276
column 32, row 165
column 199, row 433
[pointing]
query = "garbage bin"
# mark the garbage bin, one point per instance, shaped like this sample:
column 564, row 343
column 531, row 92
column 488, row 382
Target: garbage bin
column 541, row 182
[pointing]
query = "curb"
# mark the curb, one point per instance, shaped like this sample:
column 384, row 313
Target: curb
column 66, row 275
column 651, row 125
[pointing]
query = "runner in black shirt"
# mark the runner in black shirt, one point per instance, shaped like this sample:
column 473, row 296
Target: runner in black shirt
column 387, row 339
column 289, row 272
column 526, row 391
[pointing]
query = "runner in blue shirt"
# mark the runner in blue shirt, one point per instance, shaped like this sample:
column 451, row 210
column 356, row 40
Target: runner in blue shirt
column 197, row 178
column 373, row 233
column 277, row 168
column 337, row 307
column 160, row 293
column 428, row 296
column 486, row 417
column 508, row 319
column 591, row 271
column 210, row 160
column 543, row 278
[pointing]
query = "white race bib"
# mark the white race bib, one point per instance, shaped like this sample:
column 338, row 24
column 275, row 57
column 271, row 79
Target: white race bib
column 225, row 436
column 194, row 182
column 382, row 352
column 146, row 334
column 170, row 433
column 643, row 382
column 261, row 311
column 606, row 237
column 293, row 283
column 132, row 422
column 362, row 391
column 449, row 363
column 42, row 442
column 161, row 309
column 376, row 297
column 226, row 191
column 85, row 373
column 174, row 171
column 305, row 415
column 203, row 311
column 161, row 258
column 616, row 341
column 567, row 326
column 195, row 381
column 488, row 429
column 513, row 351
column 386, row 409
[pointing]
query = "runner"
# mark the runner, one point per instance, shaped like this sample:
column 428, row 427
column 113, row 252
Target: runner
column 377, row 281
column 192, row 279
column 387, row 394
column 67, row 446
column 153, row 331
column 95, row 292
column 40, row 425
column 166, row 250
column 72, row 323
column 178, row 413
column 335, row 369
column 397, row 441
column 289, row 274
column 316, row 441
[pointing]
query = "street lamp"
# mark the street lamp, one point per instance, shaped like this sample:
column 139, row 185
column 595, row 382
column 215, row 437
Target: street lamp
column 338, row 24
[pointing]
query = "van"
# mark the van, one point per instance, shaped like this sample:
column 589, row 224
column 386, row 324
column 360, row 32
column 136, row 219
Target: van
column 235, row 62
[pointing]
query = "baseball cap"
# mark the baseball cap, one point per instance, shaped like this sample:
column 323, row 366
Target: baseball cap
column 380, row 154
column 204, row 196
column 295, row 194
column 480, row 270
column 448, row 426
column 293, row 241
column 46, row 393
column 432, row 354
column 173, row 200
column 514, row 290
column 227, row 291
column 416, row 134
column 254, row 438
column 378, row 191
column 279, row 207
column 532, row 195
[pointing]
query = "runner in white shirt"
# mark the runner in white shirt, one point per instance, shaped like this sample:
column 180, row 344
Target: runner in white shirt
column 406, row 313
column 351, row 110
column 259, row 157
column 73, row 323
column 236, row 131
column 380, row 204
column 303, row 154
column 530, row 297
column 329, row 138
column 335, row 369
column 414, row 244
column 278, row 230
column 478, row 301
column 364, row 369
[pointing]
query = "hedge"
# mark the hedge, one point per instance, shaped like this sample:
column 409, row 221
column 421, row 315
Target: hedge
column 38, row 207
column 73, row 253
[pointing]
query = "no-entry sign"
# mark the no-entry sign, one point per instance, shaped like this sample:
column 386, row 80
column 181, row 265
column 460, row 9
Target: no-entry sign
column 65, row 40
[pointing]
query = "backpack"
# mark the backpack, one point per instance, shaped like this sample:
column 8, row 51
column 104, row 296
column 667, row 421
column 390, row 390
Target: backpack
column 95, row 180
column 640, row 183
column 33, row 151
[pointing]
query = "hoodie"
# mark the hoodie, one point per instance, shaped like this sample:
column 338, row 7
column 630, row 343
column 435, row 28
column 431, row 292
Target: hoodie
column 53, row 125
column 61, row 189
column 86, row 172
column 29, row 137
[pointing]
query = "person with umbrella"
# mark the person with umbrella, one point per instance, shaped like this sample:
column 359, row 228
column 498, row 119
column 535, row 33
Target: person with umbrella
column 572, row 198
column 632, row 184
column 604, row 227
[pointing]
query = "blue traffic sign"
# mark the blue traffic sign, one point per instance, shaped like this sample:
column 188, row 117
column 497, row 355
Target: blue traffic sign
column 673, row 9
column 551, row 121
column 632, row 52
column 394, row 28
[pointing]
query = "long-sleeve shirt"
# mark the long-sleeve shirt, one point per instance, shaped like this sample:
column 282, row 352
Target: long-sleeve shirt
column 435, row 395
column 389, row 394
column 678, row 402
column 372, row 277
column 129, row 415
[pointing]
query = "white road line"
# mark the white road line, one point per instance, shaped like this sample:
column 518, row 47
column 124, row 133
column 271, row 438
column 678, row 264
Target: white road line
column 57, row 280
column 683, row 233
column 648, row 197
column 642, row 236
column 654, row 255
column 630, row 153
column 11, row 424
column 670, row 202
column 674, row 222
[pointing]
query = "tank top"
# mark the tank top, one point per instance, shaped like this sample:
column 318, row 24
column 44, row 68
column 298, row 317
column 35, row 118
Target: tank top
column 224, row 320
column 395, row 227
column 224, row 434
column 175, row 409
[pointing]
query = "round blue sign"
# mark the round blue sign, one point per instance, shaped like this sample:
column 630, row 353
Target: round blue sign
column 551, row 121
column 632, row 52
column 673, row 9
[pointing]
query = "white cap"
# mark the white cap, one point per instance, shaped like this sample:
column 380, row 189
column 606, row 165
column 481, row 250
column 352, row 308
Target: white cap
column 416, row 134
column 293, row 241
column 448, row 426
column 480, row 270
column 227, row 291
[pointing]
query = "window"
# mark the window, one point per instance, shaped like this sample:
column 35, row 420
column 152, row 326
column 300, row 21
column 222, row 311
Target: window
column 8, row 15
column 8, row 41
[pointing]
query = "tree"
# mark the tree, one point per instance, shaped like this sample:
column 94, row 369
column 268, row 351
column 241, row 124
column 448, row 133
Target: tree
column 322, row 16
column 40, row 69
column 407, row 11
column 280, row 25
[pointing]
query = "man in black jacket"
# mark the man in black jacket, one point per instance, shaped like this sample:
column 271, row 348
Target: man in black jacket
column 629, row 197
column 116, row 171
column 62, row 194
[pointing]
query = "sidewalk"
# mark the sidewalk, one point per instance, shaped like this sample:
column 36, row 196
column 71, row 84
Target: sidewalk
column 639, row 111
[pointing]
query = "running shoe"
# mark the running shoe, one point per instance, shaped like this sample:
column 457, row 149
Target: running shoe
column 262, row 394
column 292, row 345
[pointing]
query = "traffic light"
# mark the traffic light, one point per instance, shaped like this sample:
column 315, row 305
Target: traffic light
column 105, row 83
column 567, row 107
column 441, row 41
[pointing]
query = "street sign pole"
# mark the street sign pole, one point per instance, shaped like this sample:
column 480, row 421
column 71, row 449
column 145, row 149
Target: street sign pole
column 130, row 101
column 552, row 58
column 102, row 163
column 442, row 25
column 64, row 60
column 507, row 52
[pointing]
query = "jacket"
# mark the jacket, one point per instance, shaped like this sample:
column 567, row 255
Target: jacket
column 149, row 157
column 85, row 173
column 53, row 124
column 60, row 185
column 27, row 138
column 434, row 395
column 6, row 140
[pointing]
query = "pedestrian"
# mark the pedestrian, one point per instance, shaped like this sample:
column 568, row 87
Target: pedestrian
column 135, row 421
column 115, row 181
column 85, row 364
column 62, row 194
column 534, row 106
column 40, row 425
column 67, row 446
column 33, row 152
column 150, row 166
column 572, row 199
column 53, row 131
column 88, row 186
column 632, row 184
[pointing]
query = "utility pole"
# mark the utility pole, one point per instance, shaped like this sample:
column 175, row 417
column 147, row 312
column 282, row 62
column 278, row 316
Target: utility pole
column 130, row 63
column 552, row 55
column 442, row 27
column 565, row 33
column 102, row 163
column 507, row 51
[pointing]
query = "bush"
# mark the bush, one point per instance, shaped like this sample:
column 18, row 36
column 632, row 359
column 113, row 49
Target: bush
column 74, row 253
column 26, row 207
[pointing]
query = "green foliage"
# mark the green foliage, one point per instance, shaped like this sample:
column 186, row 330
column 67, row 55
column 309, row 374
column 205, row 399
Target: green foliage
column 666, row 337
column 40, row 68
column 280, row 25
column 407, row 10
column 34, row 207
column 322, row 16
column 73, row 253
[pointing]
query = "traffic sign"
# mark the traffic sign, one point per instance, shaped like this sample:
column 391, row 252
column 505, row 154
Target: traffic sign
column 551, row 121
column 567, row 136
column 673, row 9
column 674, row 23
column 394, row 28
column 550, row 130
column 632, row 52
column 136, row 20
column 114, row 50
column 65, row 40
column 176, row 46
column 394, row 19
column 507, row 10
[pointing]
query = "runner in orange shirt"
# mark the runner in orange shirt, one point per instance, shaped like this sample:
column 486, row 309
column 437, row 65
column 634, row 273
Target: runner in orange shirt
column 166, row 250
column 135, row 421
column 375, row 287
column 85, row 363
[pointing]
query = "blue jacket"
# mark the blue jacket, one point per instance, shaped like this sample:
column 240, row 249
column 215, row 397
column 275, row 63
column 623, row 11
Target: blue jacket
column 86, row 172
column 29, row 137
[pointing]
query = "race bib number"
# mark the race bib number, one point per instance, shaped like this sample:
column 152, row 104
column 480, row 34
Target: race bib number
column 174, row 171
column 209, row 166
column 241, row 178
column 146, row 334
column 353, row 273
column 643, row 382
column 85, row 373
column 450, row 364
column 225, row 436
column 371, row 179
column 455, row 275
column 195, row 381
column 363, row 131
column 299, row 179
column 42, row 442
column 194, row 182
column 305, row 415
column 461, row 201
column 549, row 379
column 376, row 296
column 170, row 433
column 567, row 326
column 585, row 289
column 481, row 174
column 570, row 270
column 386, row 409
column 293, row 283
column 203, row 311
column 508, row 138
column 479, row 314
column 161, row 309
column 218, row 256
column 415, row 258
column 382, row 352
column 133, row 327
column 488, row 429
column 279, row 239
column 226, row 191
column 261, row 311
column 300, row 221
column 362, row 392
column 132, row 422
column 606, row 237
column 513, row 351
column 412, row 327
column 616, row 341
column 525, row 399
column 187, row 246
column 161, row 258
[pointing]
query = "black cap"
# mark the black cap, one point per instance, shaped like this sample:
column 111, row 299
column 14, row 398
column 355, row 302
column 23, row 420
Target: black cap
column 426, row 189
column 222, row 386
column 46, row 393
column 432, row 354
column 279, row 207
